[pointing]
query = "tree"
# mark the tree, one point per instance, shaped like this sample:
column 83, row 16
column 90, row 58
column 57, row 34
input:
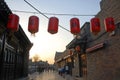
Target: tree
column 36, row 58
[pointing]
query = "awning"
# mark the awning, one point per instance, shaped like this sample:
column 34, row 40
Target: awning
column 59, row 60
column 66, row 57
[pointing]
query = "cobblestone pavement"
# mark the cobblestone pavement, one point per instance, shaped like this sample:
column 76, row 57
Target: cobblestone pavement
column 49, row 75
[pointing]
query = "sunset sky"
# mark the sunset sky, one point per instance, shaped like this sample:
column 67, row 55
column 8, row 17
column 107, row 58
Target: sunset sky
column 45, row 44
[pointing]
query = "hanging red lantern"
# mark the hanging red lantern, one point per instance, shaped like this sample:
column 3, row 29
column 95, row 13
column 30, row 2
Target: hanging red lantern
column 95, row 25
column 33, row 24
column 13, row 22
column 109, row 24
column 70, row 52
column 75, row 26
column 77, row 48
column 53, row 25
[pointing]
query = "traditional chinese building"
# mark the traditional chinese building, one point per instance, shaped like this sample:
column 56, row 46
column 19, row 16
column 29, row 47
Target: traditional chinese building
column 98, row 58
column 74, row 55
column 14, row 48
column 104, row 64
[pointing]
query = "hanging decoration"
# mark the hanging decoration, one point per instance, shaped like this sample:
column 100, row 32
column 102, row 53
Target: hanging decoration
column 77, row 48
column 95, row 25
column 53, row 25
column 109, row 24
column 13, row 22
column 70, row 52
column 74, row 26
column 33, row 24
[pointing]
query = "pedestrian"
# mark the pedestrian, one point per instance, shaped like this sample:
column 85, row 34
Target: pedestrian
column 63, row 72
column 66, row 69
column 59, row 71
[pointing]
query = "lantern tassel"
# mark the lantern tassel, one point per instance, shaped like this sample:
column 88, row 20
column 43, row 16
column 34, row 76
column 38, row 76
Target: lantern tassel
column 33, row 34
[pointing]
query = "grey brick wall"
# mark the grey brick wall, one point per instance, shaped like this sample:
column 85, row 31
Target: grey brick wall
column 104, row 64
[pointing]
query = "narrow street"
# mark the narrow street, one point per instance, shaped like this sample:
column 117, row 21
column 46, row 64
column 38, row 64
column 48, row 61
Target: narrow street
column 60, row 40
column 48, row 75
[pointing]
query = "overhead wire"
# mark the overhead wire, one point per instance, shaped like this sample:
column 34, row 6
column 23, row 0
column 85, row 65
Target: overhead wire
column 60, row 14
column 43, row 14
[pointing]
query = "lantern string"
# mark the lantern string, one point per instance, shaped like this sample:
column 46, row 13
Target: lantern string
column 62, row 14
column 43, row 14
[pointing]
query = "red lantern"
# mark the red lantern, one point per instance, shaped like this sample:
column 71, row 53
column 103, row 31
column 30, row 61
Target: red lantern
column 75, row 26
column 53, row 25
column 13, row 22
column 33, row 24
column 95, row 25
column 70, row 52
column 109, row 24
column 77, row 48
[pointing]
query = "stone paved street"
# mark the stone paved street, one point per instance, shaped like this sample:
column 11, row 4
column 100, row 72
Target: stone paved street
column 48, row 75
